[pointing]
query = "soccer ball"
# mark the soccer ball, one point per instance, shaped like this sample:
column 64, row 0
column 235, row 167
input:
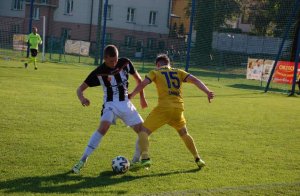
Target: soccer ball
column 120, row 165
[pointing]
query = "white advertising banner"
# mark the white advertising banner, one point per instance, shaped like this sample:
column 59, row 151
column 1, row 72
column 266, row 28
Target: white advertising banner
column 77, row 47
column 259, row 69
column 19, row 42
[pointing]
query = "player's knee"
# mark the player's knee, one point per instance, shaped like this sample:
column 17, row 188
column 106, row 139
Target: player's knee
column 103, row 128
column 182, row 132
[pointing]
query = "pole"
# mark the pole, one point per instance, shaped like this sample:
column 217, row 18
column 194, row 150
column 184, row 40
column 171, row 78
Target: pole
column 282, row 43
column 98, row 47
column 190, row 36
column 103, row 31
column 296, row 64
column 91, row 21
column 44, row 38
column 30, row 24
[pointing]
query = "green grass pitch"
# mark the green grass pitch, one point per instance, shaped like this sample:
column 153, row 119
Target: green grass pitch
column 249, row 139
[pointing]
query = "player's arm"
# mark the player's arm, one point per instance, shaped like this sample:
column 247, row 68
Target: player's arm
column 40, row 40
column 138, row 80
column 84, row 101
column 192, row 79
column 90, row 81
column 139, row 87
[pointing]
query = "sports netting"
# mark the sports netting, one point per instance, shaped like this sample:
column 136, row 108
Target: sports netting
column 223, row 36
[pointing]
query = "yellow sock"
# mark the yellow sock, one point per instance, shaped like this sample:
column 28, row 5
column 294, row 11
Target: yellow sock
column 31, row 60
column 34, row 62
column 189, row 143
column 144, row 144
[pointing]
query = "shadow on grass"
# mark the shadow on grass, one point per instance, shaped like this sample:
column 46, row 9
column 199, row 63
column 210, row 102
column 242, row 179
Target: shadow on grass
column 70, row 183
column 12, row 67
column 259, row 88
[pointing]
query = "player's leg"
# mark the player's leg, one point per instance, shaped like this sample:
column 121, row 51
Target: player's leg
column 190, row 144
column 143, row 135
column 34, row 53
column 179, row 123
column 130, row 116
column 108, row 117
column 137, row 152
column 95, row 139
column 155, row 120
column 29, row 60
column 93, row 143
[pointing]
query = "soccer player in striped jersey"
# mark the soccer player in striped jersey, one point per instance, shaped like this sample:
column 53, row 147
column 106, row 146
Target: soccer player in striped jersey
column 34, row 40
column 170, row 107
column 112, row 75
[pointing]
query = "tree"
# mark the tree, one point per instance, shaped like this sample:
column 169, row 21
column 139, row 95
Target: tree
column 210, row 16
column 269, row 17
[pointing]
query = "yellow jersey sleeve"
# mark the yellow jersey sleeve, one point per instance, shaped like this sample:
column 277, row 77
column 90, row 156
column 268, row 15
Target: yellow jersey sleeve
column 151, row 75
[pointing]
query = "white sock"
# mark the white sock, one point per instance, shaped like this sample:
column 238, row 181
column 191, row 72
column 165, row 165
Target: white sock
column 137, row 153
column 92, row 145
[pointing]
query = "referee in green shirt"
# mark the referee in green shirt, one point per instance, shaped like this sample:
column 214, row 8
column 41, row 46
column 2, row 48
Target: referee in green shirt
column 34, row 40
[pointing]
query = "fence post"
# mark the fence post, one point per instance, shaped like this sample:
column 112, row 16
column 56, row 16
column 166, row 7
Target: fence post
column 190, row 36
column 30, row 25
column 103, row 31
column 44, row 38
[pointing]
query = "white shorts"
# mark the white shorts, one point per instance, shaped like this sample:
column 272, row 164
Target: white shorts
column 124, row 110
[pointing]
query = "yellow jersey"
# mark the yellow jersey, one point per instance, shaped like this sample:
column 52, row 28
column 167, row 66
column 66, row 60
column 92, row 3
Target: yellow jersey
column 168, row 83
column 34, row 40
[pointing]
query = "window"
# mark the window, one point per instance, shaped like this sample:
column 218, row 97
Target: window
column 109, row 12
column 36, row 13
column 69, row 7
column 152, row 18
column 129, row 41
column 17, row 4
column 151, row 43
column 130, row 14
column 139, row 46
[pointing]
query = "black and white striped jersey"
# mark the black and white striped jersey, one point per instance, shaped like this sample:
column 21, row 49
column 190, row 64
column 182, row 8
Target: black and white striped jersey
column 113, row 80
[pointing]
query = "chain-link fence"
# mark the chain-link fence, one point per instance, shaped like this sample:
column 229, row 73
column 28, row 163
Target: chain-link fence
column 217, row 35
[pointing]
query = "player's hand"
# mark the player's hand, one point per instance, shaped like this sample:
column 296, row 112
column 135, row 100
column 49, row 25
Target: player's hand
column 210, row 95
column 85, row 102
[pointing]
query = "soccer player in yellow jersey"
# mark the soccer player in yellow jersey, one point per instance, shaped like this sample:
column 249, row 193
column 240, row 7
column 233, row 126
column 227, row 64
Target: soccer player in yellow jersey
column 170, row 107
column 34, row 40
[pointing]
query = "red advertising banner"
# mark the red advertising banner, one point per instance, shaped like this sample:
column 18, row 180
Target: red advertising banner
column 284, row 72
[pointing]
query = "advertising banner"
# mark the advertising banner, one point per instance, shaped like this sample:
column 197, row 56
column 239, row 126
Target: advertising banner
column 260, row 69
column 77, row 47
column 19, row 42
column 284, row 72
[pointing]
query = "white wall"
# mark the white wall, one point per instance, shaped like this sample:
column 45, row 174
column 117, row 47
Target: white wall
column 142, row 12
column 6, row 9
column 248, row 44
column 82, row 13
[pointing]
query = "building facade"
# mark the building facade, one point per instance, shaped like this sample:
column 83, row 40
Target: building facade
column 130, row 23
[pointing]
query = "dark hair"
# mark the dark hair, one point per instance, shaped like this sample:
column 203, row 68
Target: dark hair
column 163, row 59
column 111, row 51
